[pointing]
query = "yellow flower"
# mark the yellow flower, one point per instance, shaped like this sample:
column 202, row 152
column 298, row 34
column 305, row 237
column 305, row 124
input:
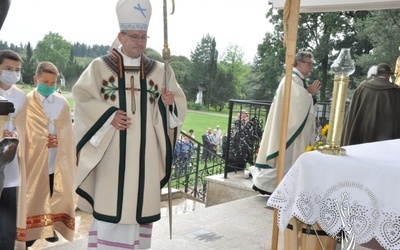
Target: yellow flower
column 324, row 130
column 321, row 142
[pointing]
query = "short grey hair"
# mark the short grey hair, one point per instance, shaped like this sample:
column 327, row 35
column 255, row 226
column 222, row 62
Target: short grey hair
column 301, row 56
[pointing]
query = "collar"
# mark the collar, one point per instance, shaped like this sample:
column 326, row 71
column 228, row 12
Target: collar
column 297, row 72
column 4, row 92
column 129, row 61
column 49, row 99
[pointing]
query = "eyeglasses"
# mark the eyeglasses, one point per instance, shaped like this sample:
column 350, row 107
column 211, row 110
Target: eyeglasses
column 136, row 38
column 309, row 63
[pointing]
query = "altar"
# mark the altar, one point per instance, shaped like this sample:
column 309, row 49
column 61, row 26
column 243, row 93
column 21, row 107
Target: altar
column 357, row 193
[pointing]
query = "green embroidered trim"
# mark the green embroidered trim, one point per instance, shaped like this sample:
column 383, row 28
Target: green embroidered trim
column 259, row 165
column 95, row 128
column 291, row 139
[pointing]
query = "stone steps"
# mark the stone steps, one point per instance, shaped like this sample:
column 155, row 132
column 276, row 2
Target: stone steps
column 181, row 205
column 239, row 222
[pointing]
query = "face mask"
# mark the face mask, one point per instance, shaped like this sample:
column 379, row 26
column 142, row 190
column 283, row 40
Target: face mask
column 9, row 78
column 45, row 90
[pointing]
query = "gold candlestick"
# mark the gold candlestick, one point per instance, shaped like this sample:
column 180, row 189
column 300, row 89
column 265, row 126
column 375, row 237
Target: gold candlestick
column 342, row 68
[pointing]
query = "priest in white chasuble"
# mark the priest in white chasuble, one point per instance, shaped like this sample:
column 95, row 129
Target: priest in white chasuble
column 126, row 124
column 300, row 128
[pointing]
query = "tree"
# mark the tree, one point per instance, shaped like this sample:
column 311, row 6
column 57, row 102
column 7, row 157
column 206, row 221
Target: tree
column 28, row 65
column 3, row 45
column 223, row 89
column 203, row 69
column 180, row 65
column 382, row 30
column 323, row 34
column 153, row 54
column 268, row 66
column 53, row 48
column 72, row 70
column 232, row 60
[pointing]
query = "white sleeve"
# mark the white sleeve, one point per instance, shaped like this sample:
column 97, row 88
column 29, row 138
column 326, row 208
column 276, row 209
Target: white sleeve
column 173, row 119
column 96, row 138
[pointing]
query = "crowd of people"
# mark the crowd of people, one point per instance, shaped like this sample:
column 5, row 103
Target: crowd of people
column 184, row 148
column 183, row 152
column 245, row 134
column 211, row 145
column 211, row 140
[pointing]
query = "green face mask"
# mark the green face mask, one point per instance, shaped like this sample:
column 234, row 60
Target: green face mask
column 45, row 90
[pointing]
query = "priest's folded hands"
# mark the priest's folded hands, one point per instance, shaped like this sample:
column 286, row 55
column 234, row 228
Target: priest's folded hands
column 52, row 141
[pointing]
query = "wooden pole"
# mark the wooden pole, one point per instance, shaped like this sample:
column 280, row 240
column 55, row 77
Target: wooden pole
column 291, row 21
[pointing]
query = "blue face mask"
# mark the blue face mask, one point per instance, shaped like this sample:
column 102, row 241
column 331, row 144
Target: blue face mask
column 45, row 90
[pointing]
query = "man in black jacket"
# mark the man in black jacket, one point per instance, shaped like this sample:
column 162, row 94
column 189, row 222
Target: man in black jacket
column 374, row 112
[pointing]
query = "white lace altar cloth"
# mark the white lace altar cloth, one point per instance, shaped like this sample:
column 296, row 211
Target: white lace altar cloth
column 358, row 193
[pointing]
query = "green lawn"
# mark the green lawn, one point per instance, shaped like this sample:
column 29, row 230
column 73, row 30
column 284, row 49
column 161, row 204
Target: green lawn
column 71, row 102
column 200, row 121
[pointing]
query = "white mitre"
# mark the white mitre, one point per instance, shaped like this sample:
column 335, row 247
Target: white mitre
column 132, row 15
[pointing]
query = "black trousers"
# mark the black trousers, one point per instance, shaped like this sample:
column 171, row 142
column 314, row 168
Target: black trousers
column 51, row 182
column 8, row 218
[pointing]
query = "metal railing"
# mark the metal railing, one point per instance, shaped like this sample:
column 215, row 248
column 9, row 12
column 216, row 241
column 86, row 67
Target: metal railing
column 190, row 169
column 239, row 147
column 244, row 133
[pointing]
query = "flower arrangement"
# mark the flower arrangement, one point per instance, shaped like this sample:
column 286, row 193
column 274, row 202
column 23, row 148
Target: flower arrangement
column 324, row 131
column 321, row 139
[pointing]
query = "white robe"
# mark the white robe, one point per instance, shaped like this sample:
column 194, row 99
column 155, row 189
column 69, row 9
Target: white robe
column 300, row 134
column 120, row 173
column 15, row 171
column 18, row 98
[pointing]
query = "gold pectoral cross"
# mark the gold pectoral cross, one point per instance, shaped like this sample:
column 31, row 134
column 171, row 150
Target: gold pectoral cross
column 133, row 89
